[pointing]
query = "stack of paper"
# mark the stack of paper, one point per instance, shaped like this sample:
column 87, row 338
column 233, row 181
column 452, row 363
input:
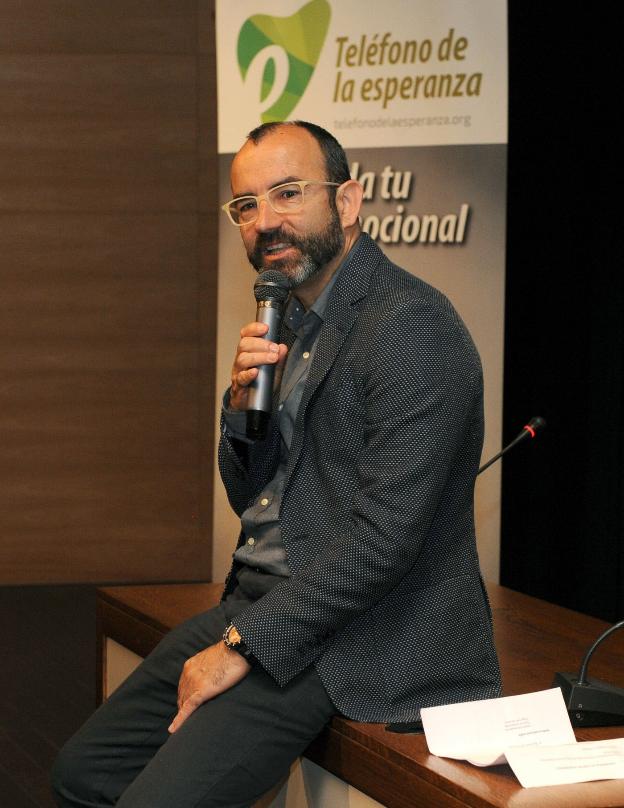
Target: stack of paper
column 531, row 732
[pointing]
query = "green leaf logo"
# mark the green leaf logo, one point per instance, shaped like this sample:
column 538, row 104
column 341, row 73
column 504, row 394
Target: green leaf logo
column 300, row 36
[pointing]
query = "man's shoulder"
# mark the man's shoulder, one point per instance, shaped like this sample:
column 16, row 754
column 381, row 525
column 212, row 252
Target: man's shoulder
column 398, row 302
column 392, row 282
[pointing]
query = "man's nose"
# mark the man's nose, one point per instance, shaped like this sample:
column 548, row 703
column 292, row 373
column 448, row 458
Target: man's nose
column 267, row 219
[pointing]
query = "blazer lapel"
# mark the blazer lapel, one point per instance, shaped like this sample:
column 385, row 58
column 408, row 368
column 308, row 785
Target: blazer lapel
column 340, row 316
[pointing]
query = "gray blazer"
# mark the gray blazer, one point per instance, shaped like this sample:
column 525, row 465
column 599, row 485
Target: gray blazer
column 386, row 597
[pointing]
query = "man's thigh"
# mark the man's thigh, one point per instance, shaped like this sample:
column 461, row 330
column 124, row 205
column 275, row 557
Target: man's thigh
column 119, row 739
column 235, row 747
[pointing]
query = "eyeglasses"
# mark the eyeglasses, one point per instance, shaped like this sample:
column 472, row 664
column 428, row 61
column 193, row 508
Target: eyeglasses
column 286, row 198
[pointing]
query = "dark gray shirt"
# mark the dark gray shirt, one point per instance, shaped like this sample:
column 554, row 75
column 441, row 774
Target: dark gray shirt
column 263, row 549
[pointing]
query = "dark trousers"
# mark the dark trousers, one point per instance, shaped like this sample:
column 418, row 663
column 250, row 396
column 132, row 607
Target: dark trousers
column 229, row 752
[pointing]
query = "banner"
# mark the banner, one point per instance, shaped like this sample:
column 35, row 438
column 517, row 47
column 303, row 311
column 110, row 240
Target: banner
column 411, row 73
column 416, row 92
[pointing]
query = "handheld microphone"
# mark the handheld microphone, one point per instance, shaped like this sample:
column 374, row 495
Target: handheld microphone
column 534, row 425
column 270, row 290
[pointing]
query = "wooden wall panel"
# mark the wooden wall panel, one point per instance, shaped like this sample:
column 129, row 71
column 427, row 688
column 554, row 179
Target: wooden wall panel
column 106, row 390
column 98, row 133
column 208, row 204
column 98, row 26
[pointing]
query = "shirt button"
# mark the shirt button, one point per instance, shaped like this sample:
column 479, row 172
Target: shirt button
column 251, row 541
column 306, row 354
column 264, row 501
column 281, row 407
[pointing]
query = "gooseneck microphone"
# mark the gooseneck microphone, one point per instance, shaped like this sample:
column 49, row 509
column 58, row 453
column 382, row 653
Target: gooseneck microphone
column 592, row 702
column 532, row 428
column 270, row 290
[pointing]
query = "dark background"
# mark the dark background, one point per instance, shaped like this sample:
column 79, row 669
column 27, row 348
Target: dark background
column 562, row 524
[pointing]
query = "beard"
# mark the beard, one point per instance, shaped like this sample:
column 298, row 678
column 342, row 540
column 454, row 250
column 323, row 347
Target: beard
column 316, row 250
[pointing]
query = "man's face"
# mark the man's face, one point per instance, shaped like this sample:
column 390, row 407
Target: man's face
column 298, row 244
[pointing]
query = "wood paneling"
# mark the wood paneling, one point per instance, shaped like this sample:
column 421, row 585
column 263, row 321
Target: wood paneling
column 90, row 26
column 106, row 334
column 208, row 205
column 100, row 132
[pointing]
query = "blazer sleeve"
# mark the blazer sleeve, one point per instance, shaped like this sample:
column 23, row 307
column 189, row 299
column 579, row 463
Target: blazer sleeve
column 421, row 406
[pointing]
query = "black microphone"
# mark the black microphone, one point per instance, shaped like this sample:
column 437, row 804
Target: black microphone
column 532, row 428
column 270, row 290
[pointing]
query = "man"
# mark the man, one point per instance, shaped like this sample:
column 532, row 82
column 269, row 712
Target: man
column 355, row 587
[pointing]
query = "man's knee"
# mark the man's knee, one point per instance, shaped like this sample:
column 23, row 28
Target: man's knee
column 70, row 778
column 61, row 776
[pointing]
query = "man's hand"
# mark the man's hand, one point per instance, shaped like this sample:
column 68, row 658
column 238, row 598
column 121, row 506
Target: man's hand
column 251, row 352
column 205, row 675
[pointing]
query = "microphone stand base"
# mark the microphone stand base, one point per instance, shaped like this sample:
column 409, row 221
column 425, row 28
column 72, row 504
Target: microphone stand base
column 592, row 704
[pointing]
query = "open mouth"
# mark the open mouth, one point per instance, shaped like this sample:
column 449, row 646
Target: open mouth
column 277, row 249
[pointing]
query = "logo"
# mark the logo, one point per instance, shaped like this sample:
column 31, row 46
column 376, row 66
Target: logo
column 290, row 47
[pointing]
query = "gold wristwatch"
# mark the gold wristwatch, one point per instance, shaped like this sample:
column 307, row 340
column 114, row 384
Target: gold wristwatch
column 234, row 641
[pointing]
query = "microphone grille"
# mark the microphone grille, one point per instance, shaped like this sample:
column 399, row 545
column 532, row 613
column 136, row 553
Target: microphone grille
column 271, row 285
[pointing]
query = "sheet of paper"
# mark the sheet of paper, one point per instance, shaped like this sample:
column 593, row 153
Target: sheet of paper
column 480, row 731
column 569, row 763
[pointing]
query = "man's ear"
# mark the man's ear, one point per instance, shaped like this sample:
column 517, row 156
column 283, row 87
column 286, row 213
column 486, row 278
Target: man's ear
column 349, row 201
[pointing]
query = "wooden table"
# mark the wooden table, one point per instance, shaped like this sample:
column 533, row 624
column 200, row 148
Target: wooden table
column 534, row 640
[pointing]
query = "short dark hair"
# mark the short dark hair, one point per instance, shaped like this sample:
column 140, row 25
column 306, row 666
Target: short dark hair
column 336, row 165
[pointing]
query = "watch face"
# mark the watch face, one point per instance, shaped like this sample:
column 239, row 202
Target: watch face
column 235, row 642
column 232, row 637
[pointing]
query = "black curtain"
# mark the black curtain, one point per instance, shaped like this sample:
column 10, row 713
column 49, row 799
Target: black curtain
column 563, row 496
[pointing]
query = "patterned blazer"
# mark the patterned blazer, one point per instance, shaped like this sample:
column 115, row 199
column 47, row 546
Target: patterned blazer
column 385, row 597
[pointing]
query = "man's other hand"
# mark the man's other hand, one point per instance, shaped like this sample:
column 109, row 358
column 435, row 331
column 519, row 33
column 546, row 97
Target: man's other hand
column 205, row 675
